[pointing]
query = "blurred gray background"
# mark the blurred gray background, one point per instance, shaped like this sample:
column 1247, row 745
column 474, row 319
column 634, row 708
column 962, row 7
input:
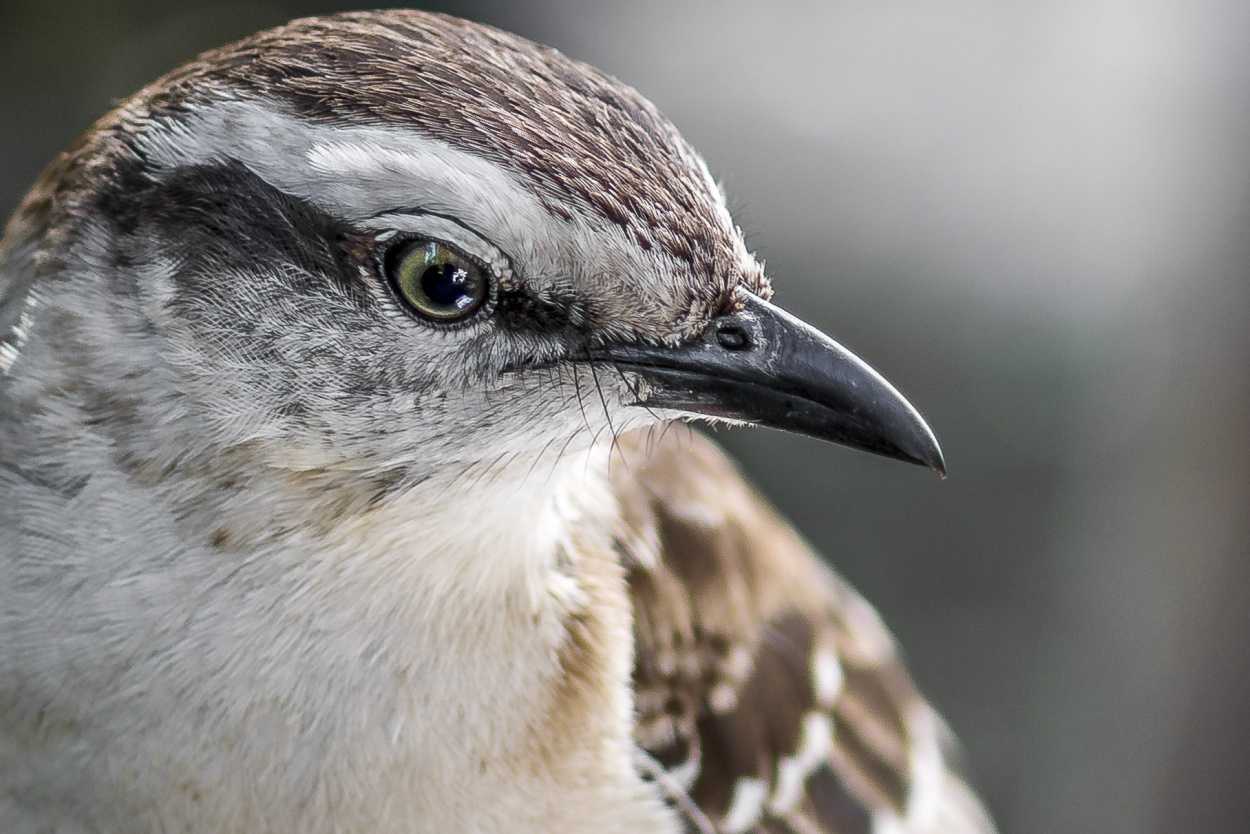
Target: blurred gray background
column 1032, row 216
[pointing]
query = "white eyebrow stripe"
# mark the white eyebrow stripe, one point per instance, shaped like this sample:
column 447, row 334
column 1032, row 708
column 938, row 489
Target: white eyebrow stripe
column 353, row 172
column 425, row 173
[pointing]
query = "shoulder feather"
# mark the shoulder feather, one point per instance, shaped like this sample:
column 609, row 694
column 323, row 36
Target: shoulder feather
column 769, row 696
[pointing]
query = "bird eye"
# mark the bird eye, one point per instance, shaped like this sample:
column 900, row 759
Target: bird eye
column 436, row 281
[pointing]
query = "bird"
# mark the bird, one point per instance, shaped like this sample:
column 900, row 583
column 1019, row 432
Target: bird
column 347, row 483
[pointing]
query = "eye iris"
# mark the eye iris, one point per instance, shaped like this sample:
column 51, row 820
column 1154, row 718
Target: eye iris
column 437, row 281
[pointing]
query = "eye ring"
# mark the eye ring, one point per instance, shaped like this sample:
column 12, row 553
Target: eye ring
column 436, row 281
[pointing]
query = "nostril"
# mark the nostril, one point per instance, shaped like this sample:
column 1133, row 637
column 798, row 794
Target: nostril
column 732, row 337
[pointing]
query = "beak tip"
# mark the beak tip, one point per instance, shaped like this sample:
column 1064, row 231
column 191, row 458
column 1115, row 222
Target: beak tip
column 924, row 451
column 935, row 460
column 931, row 457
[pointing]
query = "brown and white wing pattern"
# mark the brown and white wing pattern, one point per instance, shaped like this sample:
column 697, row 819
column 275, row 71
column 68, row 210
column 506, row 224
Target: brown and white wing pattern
column 769, row 696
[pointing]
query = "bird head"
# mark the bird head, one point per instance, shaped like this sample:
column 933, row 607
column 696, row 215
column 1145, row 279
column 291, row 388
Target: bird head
column 396, row 244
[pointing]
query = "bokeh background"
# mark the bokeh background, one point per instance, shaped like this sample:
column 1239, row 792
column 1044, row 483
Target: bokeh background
column 1032, row 216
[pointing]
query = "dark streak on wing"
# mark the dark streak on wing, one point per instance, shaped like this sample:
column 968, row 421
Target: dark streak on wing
column 834, row 805
column 731, row 610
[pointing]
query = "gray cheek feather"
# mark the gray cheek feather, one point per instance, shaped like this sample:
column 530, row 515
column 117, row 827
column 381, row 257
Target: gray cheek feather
column 17, row 278
column 213, row 297
column 263, row 331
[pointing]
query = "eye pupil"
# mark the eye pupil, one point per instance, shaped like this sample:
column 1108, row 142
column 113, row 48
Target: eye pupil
column 447, row 284
column 436, row 281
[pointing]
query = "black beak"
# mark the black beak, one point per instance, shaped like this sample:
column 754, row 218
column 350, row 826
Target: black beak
column 761, row 365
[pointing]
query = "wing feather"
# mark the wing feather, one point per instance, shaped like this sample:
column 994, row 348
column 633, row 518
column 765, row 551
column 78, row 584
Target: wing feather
column 765, row 685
